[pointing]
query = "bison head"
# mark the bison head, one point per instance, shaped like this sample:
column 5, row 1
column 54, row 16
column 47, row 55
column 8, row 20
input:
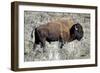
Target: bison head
column 76, row 32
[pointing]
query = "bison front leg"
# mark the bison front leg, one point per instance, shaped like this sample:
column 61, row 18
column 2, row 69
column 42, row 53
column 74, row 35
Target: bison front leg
column 62, row 42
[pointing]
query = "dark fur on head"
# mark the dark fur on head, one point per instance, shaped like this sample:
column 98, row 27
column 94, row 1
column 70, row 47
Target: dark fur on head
column 76, row 32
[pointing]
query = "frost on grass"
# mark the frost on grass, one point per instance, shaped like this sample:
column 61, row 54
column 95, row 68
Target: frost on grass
column 73, row 50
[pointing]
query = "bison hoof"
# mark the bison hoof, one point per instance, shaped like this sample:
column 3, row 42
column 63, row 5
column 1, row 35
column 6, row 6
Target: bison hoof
column 61, row 47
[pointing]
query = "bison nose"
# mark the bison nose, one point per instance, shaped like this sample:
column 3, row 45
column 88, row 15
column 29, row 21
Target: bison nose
column 79, row 38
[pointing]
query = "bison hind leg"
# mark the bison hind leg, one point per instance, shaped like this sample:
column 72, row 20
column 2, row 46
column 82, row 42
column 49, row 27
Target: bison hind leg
column 42, row 42
column 34, row 46
column 43, row 46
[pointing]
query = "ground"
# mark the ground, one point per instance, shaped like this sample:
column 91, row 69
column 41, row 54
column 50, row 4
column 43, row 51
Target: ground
column 72, row 50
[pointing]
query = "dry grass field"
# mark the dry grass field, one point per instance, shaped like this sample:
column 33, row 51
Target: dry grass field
column 73, row 50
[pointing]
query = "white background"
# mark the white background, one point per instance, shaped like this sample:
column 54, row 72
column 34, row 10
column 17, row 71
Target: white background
column 5, row 36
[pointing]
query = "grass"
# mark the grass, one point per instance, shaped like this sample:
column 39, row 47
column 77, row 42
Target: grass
column 72, row 50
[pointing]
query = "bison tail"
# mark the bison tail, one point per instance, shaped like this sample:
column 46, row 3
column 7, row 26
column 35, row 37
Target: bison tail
column 32, row 32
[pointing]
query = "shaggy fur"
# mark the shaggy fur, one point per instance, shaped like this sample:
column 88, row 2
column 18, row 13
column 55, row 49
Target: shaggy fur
column 61, row 30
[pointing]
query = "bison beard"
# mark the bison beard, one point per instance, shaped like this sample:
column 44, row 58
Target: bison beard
column 57, row 31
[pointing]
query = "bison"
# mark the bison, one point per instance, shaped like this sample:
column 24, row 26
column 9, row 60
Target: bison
column 62, row 31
